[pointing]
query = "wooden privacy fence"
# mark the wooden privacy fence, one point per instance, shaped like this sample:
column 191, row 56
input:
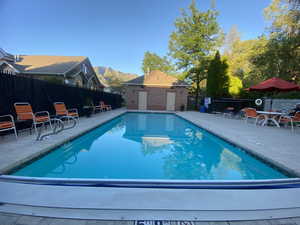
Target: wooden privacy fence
column 42, row 94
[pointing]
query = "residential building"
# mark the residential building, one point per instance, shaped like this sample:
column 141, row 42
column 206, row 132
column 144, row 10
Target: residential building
column 71, row 70
column 156, row 91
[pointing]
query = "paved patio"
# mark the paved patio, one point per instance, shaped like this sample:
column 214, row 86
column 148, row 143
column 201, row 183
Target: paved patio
column 278, row 145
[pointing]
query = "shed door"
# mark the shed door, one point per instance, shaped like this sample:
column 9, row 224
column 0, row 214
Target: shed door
column 171, row 101
column 142, row 100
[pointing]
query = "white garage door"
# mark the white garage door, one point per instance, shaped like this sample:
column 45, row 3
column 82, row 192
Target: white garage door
column 142, row 100
column 171, row 96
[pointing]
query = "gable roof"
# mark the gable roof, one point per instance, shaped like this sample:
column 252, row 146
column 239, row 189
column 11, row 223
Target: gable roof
column 47, row 64
column 156, row 78
column 6, row 56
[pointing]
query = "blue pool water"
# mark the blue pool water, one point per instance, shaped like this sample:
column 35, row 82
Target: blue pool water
column 149, row 146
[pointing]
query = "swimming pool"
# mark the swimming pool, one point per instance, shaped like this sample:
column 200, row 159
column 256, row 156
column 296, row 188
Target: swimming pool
column 150, row 146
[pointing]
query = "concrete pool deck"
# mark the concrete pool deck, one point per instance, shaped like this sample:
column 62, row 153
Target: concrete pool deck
column 278, row 145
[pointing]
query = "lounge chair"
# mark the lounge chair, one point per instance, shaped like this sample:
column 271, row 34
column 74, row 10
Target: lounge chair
column 290, row 119
column 61, row 110
column 104, row 106
column 24, row 112
column 251, row 113
column 8, row 123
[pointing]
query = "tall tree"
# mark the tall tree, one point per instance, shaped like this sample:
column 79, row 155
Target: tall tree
column 217, row 79
column 282, row 54
column 196, row 37
column 239, row 55
column 232, row 38
column 153, row 61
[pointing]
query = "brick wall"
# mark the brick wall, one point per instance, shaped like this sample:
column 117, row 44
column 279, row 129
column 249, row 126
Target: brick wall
column 156, row 97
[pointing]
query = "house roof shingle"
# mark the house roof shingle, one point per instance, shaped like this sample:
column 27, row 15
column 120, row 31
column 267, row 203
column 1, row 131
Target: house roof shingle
column 157, row 78
column 47, row 64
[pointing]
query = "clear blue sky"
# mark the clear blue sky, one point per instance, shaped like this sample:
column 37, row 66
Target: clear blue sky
column 113, row 33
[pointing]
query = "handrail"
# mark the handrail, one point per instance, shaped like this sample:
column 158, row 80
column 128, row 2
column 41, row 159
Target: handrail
column 58, row 124
column 69, row 118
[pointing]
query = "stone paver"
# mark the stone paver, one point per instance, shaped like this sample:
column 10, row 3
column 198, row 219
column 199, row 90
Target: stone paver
column 29, row 220
column 100, row 222
column 56, row 221
column 253, row 222
column 8, row 219
column 296, row 220
column 218, row 223
column 283, row 222
column 12, row 219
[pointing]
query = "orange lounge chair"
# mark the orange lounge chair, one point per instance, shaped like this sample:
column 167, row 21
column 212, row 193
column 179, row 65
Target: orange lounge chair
column 105, row 107
column 290, row 119
column 251, row 113
column 8, row 123
column 61, row 110
column 24, row 112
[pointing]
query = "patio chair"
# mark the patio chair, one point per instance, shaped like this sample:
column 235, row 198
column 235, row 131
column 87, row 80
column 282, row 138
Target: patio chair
column 251, row 113
column 24, row 112
column 61, row 110
column 104, row 106
column 100, row 108
column 8, row 123
column 290, row 119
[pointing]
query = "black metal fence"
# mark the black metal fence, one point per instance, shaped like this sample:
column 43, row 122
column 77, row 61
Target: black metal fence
column 219, row 105
column 42, row 94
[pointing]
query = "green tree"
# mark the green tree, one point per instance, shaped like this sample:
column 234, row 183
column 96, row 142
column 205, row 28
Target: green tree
column 153, row 61
column 282, row 53
column 232, row 38
column 235, row 85
column 196, row 37
column 217, row 79
column 240, row 58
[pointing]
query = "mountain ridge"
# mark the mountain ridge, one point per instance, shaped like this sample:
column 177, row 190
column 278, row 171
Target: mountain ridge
column 113, row 79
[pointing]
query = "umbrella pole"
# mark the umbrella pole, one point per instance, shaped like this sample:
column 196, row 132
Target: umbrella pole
column 271, row 104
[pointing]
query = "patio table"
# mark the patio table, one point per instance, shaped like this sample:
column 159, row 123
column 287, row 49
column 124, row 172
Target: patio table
column 270, row 116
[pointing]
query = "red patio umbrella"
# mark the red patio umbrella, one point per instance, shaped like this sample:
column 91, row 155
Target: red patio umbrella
column 275, row 84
